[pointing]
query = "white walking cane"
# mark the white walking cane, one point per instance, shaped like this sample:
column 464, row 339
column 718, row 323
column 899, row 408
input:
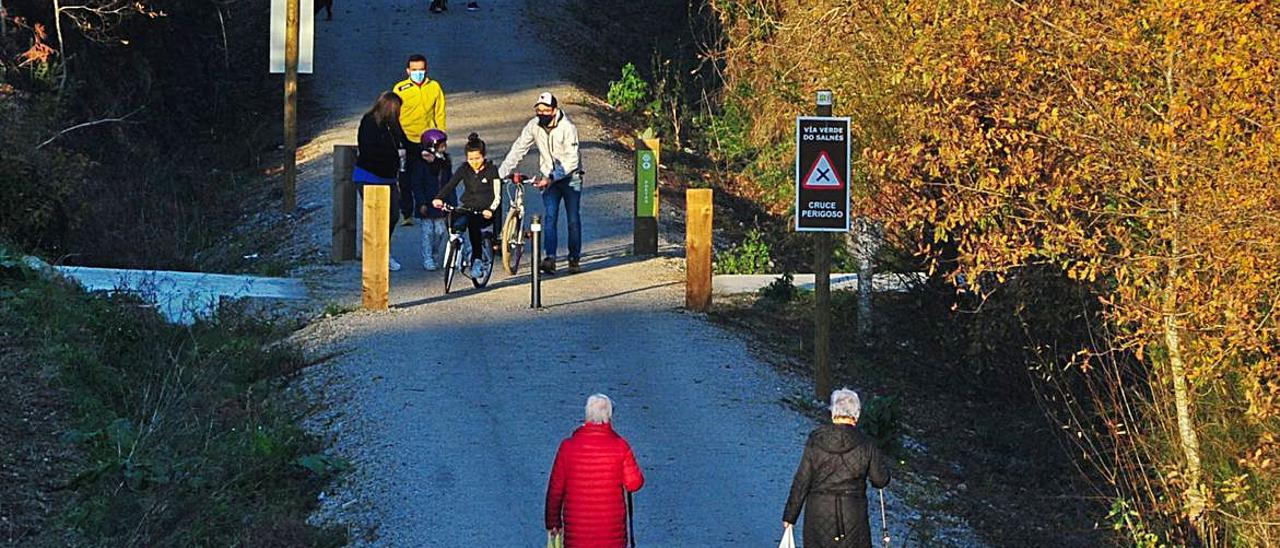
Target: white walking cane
column 884, row 523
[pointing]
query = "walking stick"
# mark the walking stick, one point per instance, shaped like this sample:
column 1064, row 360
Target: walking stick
column 884, row 524
column 631, row 520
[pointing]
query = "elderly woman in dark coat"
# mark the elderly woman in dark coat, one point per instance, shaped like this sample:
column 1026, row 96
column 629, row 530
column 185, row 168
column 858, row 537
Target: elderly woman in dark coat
column 831, row 483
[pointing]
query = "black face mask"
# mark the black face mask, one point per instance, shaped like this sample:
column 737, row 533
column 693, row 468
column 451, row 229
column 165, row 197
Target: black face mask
column 544, row 120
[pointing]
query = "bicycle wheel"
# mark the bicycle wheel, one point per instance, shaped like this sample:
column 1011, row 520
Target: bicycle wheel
column 450, row 263
column 512, row 243
column 486, row 261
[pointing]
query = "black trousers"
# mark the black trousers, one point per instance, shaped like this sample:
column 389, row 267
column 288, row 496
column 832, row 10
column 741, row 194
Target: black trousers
column 415, row 173
column 475, row 224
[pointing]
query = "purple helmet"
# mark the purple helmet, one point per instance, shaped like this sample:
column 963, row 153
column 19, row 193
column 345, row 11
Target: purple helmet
column 431, row 137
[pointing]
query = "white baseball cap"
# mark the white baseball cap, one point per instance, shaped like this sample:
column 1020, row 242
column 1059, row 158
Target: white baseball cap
column 546, row 98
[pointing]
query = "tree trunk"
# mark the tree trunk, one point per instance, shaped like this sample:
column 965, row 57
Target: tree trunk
column 62, row 48
column 1194, row 497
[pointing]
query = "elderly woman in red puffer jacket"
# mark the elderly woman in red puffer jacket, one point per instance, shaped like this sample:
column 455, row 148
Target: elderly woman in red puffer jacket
column 585, row 493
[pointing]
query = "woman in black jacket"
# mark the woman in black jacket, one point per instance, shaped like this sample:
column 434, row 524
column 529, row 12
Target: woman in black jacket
column 831, row 482
column 378, row 155
column 481, row 193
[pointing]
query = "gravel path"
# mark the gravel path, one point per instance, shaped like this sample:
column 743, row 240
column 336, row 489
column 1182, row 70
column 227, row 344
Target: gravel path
column 452, row 407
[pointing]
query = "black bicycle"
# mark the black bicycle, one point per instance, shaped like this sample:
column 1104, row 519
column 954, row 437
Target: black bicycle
column 454, row 250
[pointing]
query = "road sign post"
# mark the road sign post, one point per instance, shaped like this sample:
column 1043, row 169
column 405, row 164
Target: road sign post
column 291, row 106
column 648, row 154
column 292, row 28
column 822, row 206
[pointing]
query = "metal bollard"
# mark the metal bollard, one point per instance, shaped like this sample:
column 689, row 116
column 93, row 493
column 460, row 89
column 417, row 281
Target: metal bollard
column 535, row 287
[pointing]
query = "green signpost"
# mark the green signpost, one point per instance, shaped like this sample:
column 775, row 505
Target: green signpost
column 647, row 211
column 646, row 184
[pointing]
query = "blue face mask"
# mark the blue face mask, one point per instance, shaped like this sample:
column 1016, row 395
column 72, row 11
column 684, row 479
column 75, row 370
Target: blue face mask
column 418, row 76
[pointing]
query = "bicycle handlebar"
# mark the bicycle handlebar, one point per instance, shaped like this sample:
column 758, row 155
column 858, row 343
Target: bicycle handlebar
column 517, row 178
column 458, row 209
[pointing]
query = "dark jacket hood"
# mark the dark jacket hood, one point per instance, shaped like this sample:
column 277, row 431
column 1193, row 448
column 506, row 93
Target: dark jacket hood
column 837, row 438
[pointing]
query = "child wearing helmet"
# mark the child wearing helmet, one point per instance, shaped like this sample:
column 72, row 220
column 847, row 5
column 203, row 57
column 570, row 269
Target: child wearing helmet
column 439, row 170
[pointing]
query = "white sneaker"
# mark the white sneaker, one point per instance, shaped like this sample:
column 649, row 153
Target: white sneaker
column 392, row 264
column 430, row 266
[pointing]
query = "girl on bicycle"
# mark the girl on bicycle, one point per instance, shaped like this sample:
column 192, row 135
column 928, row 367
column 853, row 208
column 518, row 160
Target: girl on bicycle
column 481, row 193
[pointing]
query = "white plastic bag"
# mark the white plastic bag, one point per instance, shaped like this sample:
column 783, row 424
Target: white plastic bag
column 788, row 539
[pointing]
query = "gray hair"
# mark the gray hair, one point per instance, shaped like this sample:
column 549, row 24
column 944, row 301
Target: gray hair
column 599, row 409
column 845, row 403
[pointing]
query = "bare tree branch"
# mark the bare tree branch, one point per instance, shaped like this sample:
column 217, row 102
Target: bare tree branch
column 88, row 124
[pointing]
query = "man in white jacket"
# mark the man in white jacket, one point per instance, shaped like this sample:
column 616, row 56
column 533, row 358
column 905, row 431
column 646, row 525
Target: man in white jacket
column 560, row 165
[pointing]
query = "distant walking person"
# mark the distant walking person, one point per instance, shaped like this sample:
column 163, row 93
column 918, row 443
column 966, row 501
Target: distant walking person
column 592, row 470
column 831, row 482
column 423, row 109
column 561, row 166
column 378, row 156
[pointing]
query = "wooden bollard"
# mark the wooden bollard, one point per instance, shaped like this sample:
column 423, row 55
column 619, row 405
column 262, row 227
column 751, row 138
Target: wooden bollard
column 375, row 277
column 698, row 211
column 344, row 204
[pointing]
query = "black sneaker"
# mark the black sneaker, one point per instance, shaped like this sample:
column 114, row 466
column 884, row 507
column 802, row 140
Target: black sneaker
column 548, row 265
column 574, row 267
column 473, row 6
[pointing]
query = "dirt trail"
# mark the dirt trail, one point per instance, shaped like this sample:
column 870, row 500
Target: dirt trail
column 452, row 407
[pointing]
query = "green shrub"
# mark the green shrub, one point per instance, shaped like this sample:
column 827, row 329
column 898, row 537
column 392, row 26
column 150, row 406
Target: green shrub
column 749, row 257
column 187, row 435
column 1126, row 520
column 781, row 290
column 630, row 92
column 882, row 420
column 728, row 131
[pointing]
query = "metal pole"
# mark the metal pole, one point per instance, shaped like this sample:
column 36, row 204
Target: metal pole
column 884, row 523
column 822, row 293
column 535, row 286
column 292, row 21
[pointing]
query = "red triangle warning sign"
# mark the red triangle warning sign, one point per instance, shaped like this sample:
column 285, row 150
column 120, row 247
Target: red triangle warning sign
column 823, row 175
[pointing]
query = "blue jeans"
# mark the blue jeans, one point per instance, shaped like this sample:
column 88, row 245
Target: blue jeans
column 568, row 189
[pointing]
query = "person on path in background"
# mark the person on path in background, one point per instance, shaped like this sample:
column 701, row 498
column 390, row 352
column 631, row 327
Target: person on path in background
column 585, row 493
column 377, row 154
column 481, row 193
column 423, row 109
column 439, row 171
column 560, row 164
column 441, row 6
column 831, row 482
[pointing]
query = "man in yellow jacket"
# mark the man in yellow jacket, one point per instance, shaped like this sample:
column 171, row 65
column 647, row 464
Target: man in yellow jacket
column 422, row 108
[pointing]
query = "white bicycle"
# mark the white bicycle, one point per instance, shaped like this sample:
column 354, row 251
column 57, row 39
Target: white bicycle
column 515, row 227
column 454, row 249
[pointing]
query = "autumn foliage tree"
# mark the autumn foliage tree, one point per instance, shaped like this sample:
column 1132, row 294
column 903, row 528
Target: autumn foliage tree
column 1130, row 146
